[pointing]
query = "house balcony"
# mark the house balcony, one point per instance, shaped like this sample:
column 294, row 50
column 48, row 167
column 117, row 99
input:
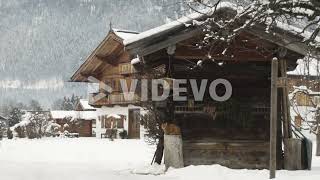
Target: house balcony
column 112, row 99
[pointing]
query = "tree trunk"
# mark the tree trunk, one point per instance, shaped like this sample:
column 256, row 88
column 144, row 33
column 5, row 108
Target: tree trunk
column 159, row 151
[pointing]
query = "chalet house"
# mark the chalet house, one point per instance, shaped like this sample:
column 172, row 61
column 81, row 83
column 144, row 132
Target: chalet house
column 109, row 63
column 234, row 133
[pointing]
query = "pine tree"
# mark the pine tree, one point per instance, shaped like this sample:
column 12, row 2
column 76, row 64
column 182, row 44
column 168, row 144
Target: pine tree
column 15, row 116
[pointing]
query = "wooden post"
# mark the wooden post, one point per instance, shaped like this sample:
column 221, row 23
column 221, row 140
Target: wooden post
column 286, row 104
column 273, row 118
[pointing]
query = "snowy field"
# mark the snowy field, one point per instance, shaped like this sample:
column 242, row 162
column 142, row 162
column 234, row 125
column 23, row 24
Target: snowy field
column 100, row 159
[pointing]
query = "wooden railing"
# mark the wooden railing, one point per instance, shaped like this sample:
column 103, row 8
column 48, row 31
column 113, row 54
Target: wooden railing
column 113, row 99
column 188, row 109
column 126, row 68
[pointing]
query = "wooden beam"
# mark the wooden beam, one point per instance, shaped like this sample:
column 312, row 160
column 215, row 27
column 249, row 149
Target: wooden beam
column 88, row 74
column 273, row 119
column 110, row 59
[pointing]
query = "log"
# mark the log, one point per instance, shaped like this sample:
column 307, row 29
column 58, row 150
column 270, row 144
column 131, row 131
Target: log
column 173, row 154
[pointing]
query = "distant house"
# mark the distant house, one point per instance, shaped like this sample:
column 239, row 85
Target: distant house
column 83, row 105
column 109, row 63
column 304, row 83
column 75, row 121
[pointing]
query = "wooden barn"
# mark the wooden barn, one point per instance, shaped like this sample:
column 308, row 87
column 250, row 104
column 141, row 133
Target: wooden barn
column 234, row 133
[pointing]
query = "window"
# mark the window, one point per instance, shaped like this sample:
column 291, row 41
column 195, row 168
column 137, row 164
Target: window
column 102, row 121
column 120, row 122
column 125, row 68
column 108, row 122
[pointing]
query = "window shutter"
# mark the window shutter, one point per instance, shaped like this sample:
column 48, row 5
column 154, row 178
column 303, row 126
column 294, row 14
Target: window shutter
column 102, row 122
column 120, row 122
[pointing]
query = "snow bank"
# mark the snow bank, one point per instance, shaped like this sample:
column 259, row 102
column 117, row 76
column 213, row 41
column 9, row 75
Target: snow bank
column 154, row 169
column 100, row 159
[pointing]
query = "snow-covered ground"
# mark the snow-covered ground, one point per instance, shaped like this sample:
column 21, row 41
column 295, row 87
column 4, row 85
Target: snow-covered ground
column 95, row 159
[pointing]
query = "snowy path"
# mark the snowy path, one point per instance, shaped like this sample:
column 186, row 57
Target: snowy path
column 97, row 159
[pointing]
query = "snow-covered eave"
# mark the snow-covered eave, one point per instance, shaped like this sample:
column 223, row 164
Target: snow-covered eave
column 184, row 21
column 275, row 35
column 124, row 34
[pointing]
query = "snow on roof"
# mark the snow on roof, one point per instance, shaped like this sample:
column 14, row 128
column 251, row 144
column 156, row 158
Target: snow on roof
column 163, row 28
column 87, row 115
column 114, row 116
column 191, row 19
column 85, row 104
column 125, row 34
column 135, row 61
column 295, row 30
column 307, row 66
column 183, row 21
